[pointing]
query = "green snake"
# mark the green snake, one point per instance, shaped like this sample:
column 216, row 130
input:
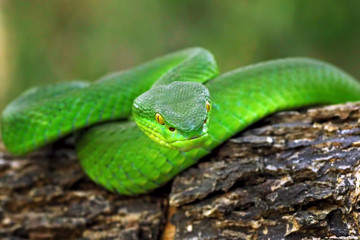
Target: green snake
column 137, row 129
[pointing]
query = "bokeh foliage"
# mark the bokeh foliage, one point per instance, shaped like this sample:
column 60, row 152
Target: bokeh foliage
column 52, row 41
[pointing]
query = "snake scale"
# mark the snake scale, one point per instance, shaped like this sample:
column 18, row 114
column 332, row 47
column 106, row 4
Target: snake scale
column 137, row 129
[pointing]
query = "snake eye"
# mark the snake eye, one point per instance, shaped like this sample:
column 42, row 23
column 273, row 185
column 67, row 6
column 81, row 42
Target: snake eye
column 208, row 106
column 159, row 119
column 171, row 129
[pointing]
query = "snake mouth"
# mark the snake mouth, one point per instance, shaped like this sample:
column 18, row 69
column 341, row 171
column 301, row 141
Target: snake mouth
column 188, row 144
column 190, row 139
column 185, row 144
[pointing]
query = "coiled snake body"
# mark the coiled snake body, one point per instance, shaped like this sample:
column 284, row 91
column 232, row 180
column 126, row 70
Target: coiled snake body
column 184, row 110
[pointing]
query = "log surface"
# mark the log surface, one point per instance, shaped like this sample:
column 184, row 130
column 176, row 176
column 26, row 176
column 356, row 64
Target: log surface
column 294, row 175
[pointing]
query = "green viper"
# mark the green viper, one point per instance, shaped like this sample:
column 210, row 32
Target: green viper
column 184, row 110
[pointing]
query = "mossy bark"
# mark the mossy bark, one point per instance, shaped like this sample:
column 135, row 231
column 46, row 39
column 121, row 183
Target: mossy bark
column 294, row 175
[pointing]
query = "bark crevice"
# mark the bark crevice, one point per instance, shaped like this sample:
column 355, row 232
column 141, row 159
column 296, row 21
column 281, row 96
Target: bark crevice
column 293, row 175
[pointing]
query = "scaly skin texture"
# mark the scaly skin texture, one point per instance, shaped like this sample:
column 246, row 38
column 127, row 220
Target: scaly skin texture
column 183, row 109
column 120, row 157
column 37, row 118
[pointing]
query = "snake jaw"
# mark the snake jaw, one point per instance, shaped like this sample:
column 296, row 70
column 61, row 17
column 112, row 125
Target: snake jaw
column 181, row 145
column 185, row 143
column 189, row 144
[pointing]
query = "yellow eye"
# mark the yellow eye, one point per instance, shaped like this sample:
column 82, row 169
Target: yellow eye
column 160, row 119
column 208, row 106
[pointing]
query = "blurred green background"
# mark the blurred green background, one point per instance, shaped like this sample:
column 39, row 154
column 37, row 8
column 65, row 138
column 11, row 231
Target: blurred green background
column 50, row 41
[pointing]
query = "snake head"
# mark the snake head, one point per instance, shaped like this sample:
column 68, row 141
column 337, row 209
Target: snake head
column 174, row 115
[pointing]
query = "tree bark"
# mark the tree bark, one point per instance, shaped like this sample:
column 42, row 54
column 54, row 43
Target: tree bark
column 294, row 175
